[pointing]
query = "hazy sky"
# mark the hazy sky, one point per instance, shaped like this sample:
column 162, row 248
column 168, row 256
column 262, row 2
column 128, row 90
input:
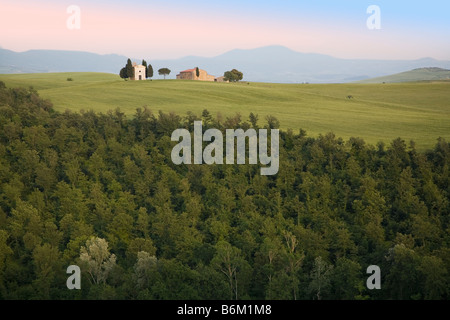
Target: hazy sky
column 156, row 29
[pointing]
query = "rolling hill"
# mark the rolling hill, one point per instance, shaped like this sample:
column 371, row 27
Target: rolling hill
column 377, row 112
column 419, row 74
column 274, row 64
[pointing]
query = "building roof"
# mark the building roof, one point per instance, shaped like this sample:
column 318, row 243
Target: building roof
column 188, row 70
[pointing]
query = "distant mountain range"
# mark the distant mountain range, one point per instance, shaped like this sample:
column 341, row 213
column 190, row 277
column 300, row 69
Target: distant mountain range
column 266, row 64
column 58, row 61
column 420, row 74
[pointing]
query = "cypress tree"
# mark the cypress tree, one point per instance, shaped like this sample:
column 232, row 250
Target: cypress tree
column 149, row 71
column 144, row 63
column 130, row 69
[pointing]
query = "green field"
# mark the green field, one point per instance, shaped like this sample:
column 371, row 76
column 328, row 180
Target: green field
column 377, row 112
column 421, row 74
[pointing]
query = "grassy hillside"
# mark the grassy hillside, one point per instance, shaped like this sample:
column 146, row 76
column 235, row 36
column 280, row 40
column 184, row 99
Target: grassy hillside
column 421, row 74
column 412, row 111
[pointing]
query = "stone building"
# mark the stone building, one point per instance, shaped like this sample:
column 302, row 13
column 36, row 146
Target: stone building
column 220, row 79
column 139, row 72
column 190, row 74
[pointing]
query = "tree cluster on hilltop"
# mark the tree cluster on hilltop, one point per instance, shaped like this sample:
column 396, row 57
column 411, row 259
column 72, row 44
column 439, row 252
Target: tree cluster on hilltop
column 233, row 75
column 100, row 191
column 128, row 71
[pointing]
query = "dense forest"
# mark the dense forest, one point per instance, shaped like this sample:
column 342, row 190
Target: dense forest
column 100, row 191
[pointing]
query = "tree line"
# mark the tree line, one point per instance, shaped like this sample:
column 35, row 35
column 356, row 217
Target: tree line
column 99, row 190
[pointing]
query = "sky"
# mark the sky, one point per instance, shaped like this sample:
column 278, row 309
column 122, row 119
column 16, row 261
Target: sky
column 168, row 29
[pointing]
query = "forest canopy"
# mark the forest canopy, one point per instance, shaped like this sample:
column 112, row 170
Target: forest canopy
column 100, row 191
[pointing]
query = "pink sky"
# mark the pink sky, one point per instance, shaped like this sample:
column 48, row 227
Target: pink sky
column 163, row 33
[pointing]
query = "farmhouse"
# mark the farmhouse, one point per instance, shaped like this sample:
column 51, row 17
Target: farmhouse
column 190, row 74
column 139, row 72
